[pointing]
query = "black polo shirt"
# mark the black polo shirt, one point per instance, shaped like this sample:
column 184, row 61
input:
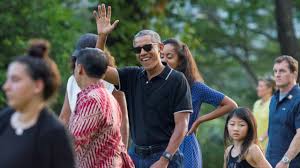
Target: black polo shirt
column 152, row 104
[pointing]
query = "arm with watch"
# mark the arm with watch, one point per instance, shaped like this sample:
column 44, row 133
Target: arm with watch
column 180, row 130
column 291, row 153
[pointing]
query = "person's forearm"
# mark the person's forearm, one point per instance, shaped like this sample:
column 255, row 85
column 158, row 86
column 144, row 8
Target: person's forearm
column 120, row 97
column 177, row 136
column 65, row 113
column 101, row 41
column 294, row 147
column 225, row 107
column 220, row 111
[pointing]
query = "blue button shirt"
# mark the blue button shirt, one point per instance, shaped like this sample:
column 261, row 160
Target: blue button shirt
column 284, row 120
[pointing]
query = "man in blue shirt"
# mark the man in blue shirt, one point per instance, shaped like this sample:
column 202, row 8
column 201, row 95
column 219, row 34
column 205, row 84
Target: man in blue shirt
column 284, row 118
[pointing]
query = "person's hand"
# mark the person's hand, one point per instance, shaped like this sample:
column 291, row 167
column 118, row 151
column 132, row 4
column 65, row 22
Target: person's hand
column 103, row 20
column 161, row 163
column 193, row 129
column 281, row 165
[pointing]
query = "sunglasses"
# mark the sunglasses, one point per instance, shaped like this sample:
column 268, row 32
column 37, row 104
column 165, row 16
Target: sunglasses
column 147, row 48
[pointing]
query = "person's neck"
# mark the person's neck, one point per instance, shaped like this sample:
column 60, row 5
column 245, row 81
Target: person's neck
column 32, row 110
column 88, row 82
column 266, row 97
column 238, row 145
column 287, row 88
column 155, row 71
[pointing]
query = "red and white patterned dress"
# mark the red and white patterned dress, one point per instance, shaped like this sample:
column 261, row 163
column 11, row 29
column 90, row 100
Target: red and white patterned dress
column 95, row 126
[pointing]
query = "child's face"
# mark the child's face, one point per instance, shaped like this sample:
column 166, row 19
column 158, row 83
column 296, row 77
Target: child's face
column 237, row 128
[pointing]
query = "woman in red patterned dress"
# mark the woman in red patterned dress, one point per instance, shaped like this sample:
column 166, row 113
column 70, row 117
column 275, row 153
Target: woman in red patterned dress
column 96, row 121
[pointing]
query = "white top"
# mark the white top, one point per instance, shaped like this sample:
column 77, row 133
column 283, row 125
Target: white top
column 73, row 89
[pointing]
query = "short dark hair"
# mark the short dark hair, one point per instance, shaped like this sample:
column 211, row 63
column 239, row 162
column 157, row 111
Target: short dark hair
column 88, row 40
column 93, row 61
column 293, row 63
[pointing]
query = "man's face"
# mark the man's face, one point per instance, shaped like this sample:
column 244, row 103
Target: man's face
column 283, row 75
column 151, row 58
column 77, row 73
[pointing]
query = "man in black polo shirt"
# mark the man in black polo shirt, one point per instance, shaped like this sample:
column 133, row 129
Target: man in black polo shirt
column 158, row 99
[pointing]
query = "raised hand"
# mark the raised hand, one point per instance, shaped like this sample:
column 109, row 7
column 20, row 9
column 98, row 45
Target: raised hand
column 103, row 20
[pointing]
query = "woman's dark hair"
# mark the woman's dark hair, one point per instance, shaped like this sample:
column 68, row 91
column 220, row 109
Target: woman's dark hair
column 186, row 64
column 251, row 137
column 40, row 67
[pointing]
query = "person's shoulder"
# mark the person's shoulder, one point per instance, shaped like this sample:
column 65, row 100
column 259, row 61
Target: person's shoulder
column 49, row 124
column 6, row 111
column 5, row 115
column 130, row 72
column 176, row 75
column 71, row 79
column 227, row 150
column 254, row 150
column 131, row 69
column 254, row 154
column 257, row 102
column 110, row 87
column 199, row 85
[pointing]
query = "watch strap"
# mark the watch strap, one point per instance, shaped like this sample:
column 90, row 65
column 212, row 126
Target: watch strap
column 167, row 155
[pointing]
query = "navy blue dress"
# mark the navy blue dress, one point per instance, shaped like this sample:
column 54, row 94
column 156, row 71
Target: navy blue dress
column 233, row 162
column 190, row 147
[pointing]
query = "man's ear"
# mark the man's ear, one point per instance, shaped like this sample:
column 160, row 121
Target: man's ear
column 296, row 75
column 80, row 69
column 161, row 47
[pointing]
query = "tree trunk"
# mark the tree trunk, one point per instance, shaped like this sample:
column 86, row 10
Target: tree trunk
column 285, row 29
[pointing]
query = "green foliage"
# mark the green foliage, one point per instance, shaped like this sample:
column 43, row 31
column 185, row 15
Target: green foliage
column 49, row 19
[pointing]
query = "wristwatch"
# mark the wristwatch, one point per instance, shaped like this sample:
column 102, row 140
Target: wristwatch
column 285, row 160
column 167, row 155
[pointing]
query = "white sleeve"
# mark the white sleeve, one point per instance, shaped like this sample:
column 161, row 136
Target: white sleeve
column 72, row 90
column 110, row 87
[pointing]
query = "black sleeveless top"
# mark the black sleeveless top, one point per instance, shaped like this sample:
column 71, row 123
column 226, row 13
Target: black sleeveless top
column 233, row 162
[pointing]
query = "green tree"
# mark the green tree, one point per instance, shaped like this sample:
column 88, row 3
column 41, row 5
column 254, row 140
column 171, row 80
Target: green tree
column 53, row 20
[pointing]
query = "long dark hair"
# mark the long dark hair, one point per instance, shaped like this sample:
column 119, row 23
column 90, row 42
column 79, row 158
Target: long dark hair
column 251, row 137
column 186, row 64
column 40, row 66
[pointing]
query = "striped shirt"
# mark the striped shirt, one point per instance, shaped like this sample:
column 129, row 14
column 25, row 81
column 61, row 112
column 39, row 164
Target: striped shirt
column 95, row 126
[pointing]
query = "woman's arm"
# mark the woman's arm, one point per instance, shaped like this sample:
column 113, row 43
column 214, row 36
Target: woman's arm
column 120, row 97
column 65, row 111
column 226, row 106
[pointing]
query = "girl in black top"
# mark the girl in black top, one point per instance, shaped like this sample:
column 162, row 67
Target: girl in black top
column 30, row 136
column 240, row 138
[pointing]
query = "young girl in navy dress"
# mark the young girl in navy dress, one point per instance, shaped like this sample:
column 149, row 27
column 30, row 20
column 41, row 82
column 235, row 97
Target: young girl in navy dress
column 240, row 138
